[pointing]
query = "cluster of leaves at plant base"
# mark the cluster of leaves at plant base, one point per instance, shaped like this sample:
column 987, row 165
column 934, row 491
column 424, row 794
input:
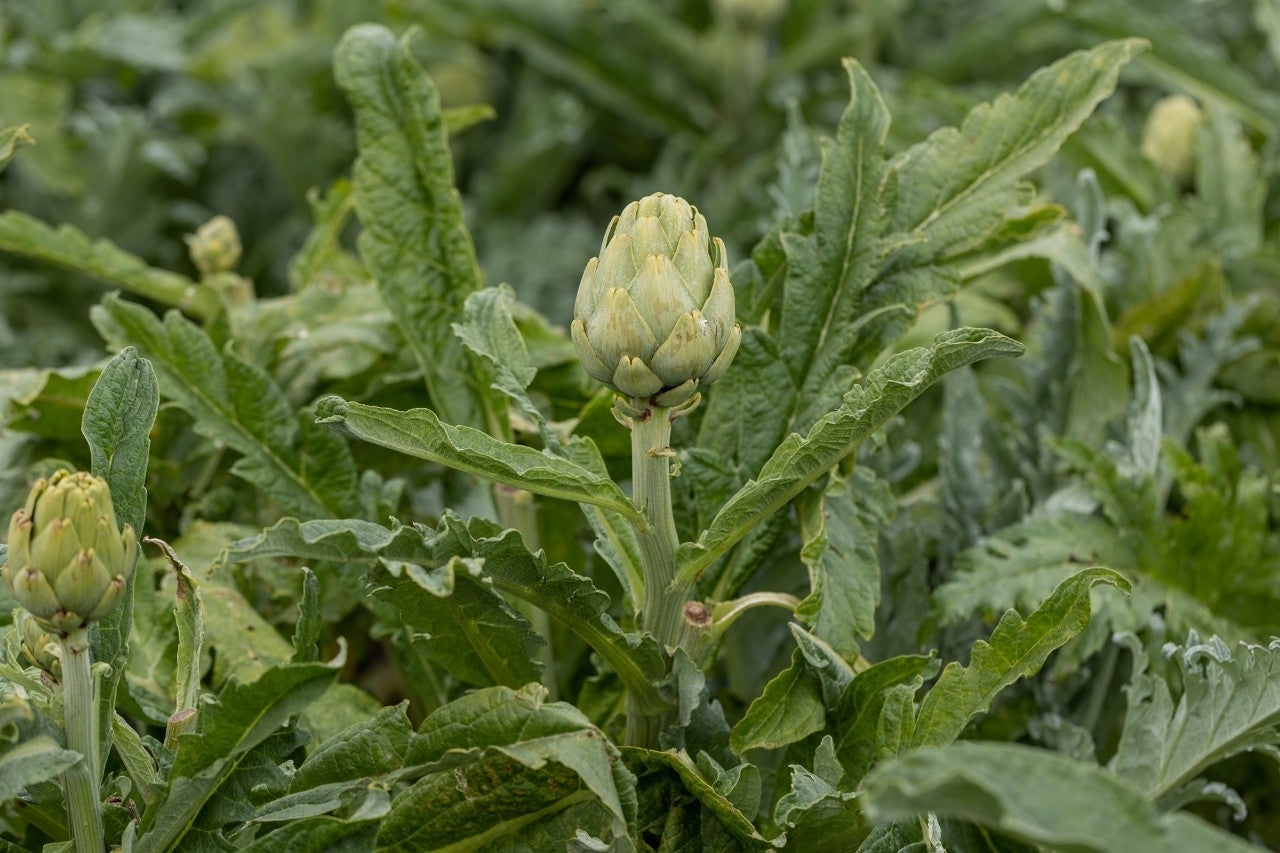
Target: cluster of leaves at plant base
column 830, row 294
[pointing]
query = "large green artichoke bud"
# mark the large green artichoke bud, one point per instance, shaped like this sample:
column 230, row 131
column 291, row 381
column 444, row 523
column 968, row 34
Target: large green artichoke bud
column 654, row 317
column 68, row 560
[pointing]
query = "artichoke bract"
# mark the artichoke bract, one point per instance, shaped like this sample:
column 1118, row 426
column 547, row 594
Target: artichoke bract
column 68, row 560
column 38, row 646
column 654, row 316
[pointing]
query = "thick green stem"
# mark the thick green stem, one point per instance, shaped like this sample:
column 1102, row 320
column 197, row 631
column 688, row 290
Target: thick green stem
column 651, row 493
column 81, row 780
column 663, row 614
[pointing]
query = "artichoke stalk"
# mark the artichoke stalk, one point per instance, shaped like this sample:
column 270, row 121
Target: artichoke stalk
column 654, row 316
column 68, row 560
column 654, row 321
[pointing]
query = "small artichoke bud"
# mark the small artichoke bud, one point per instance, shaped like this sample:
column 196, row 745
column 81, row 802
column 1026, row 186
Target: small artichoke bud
column 68, row 560
column 654, row 316
column 39, row 647
column 215, row 247
column 1169, row 138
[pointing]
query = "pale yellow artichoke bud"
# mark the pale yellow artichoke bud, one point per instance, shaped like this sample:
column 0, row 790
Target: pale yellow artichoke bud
column 68, row 561
column 215, row 247
column 654, row 317
column 39, row 647
column 1169, row 138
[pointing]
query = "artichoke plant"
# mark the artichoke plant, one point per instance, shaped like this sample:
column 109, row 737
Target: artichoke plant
column 68, row 560
column 654, row 316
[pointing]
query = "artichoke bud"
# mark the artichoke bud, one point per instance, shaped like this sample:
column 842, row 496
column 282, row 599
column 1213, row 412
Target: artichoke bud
column 68, row 560
column 1169, row 137
column 38, row 646
column 654, row 316
column 215, row 247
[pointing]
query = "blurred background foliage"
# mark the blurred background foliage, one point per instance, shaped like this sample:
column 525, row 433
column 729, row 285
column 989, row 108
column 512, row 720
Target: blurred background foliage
column 1147, row 285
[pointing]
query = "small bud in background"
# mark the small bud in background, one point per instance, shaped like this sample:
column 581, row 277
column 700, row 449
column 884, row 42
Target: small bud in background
column 215, row 247
column 1169, row 138
column 68, row 560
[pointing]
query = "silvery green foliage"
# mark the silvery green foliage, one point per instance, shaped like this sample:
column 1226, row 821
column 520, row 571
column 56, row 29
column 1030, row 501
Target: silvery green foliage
column 397, row 479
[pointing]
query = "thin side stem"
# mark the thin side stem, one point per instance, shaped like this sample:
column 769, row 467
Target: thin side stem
column 81, row 780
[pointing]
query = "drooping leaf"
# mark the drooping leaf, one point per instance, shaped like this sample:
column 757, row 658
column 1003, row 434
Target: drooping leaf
column 799, row 461
column 420, row 433
column 1018, row 648
column 102, row 259
column 1071, row 805
column 414, row 239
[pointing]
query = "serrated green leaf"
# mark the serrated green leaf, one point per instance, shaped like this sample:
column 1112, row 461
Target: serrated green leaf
column 118, row 415
column 460, row 622
column 857, row 716
column 420, row 433
column 829, row 271
column 307, row 470
column 789, row 709
column 371, row 747
column 67, row 247
column 955, row 187
column 488, row 330
column 414, row 241
column 500, row 559
column 1229, row 703
column 840, row 528
column 750, row 407
column 1072, row 805
column 1020, row 566
column 242, row 717
column 1018, row 648
column 35, row 759
column 799, row 461
column 705, row 793
column 1227, row 181
column 512, row 764
column 188, row 613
